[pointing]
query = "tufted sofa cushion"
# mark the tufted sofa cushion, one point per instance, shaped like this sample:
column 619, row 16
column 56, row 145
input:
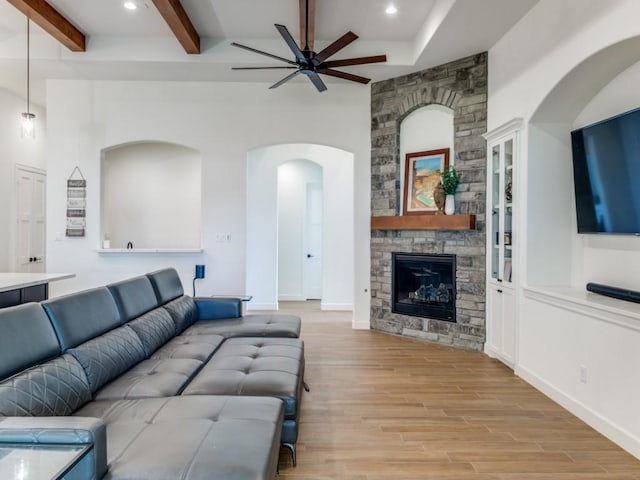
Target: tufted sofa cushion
column 154, row 328
column 151, row 379
column 256, row 367
column 191, row 438
column 81, row 316
column 183, row 312
column 134, row 297
column 197, row 347
column 108, row 356
column 55, row 388
column 258, row 325
column 27, row 338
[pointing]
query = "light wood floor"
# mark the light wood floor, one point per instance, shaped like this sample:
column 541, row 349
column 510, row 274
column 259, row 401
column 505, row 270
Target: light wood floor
column 383, row 407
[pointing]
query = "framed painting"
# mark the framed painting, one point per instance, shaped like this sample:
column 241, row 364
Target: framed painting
column 421, row 177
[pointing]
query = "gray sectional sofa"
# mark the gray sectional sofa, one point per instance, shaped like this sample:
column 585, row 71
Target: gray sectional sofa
column 161, row 385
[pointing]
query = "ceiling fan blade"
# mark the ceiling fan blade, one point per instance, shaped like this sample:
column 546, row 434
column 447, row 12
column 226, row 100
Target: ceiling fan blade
column 292, row 43
column 307, row 23
column 285, row 79
column 259, row 68
column 353, row 61
column 344, row 75
column 270, row 55
column 317, row 81
column 336, row 46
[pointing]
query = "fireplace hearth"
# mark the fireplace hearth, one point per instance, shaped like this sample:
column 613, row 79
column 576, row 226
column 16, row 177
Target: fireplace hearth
column 424, row 285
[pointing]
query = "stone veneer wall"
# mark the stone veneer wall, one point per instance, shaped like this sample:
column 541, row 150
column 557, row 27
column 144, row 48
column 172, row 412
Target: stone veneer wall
column 462, row 86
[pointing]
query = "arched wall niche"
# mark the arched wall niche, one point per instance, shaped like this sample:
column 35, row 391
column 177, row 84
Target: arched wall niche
column 555, row 254
column 432, row 108
column 151, row 196
column 425, row 128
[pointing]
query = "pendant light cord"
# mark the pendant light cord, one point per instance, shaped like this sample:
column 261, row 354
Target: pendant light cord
column 28, row 65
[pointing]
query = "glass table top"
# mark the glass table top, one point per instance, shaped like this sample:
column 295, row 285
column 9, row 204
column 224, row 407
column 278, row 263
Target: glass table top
column 39, row 461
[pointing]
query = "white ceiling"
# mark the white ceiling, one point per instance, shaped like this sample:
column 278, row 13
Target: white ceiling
column 138, row 45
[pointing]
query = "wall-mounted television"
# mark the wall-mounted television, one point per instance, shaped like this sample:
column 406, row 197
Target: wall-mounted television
column 606, row 173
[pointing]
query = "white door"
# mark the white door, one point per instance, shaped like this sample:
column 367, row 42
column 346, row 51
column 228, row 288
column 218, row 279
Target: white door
column 312, row 261
column 30, row 236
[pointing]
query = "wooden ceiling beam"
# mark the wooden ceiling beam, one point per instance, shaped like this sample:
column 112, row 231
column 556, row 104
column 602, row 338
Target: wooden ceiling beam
column 52, row 21
column 174, row 14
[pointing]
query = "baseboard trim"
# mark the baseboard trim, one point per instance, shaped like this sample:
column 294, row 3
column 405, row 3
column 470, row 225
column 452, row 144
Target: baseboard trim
column 341, row 307
column 361, row 325
column 262, row 306
column 613, row 432
column 292, row 298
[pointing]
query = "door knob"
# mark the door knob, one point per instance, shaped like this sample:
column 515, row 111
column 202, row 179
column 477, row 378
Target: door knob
column 309, row 255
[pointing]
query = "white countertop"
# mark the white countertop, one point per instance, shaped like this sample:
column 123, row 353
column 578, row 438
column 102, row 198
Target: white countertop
column 13, row 281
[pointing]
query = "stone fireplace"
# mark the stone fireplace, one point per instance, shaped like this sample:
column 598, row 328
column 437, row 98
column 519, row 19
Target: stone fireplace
column 462, row 87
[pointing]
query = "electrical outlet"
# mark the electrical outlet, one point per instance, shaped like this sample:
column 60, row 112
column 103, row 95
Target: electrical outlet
column 583, row 374
column 223, row 237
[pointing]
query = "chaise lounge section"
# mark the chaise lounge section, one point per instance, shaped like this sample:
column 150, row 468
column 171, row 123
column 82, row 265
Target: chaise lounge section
column 136, row 363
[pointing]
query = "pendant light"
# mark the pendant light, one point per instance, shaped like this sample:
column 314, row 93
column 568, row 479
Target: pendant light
column 28, row 129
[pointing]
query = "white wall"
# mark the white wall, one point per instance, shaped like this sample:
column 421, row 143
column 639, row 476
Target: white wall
column 339, row 261
column 15, row 150
column 151, row 196
column 293, row 178
column 580, row 47
column 223, row 122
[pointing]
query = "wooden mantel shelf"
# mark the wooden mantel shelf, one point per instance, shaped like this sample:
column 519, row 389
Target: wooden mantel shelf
column 424, row 222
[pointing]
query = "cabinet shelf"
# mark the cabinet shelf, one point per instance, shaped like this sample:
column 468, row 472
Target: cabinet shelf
column 424, row 222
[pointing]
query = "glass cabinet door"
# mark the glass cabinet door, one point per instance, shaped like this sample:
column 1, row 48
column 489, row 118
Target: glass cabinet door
column 495, row 211
column 508, row 210
column 502, row 210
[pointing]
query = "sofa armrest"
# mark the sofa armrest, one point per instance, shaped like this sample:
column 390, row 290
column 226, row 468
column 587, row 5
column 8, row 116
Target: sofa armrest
column 62, row 431
column 217, row 308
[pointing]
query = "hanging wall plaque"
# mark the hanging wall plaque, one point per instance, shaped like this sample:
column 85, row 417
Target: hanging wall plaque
column 76, row 204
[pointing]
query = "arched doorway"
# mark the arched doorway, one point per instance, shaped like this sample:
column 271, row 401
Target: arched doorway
column 337, row 220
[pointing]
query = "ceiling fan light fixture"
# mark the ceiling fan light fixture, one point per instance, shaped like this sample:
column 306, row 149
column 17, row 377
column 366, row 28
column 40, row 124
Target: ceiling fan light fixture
column 391, row 9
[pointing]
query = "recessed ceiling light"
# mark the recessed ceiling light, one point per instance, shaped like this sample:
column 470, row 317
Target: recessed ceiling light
column 391, row 9
column 130, row 5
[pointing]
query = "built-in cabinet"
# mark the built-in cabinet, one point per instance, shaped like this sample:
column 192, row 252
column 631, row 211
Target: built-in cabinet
column 502, row 236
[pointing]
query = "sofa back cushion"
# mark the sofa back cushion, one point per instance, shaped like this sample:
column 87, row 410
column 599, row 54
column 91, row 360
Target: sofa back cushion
column 55, row 388
column 167, row 285
column 26, row 338
column 108, row 356
column 183, row 311
column 81, row 316
column 134, row 297
column 154, row 328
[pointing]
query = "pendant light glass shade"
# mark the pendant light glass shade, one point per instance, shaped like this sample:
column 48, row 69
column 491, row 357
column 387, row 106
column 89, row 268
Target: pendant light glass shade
column 28, row 119
column 28, row 127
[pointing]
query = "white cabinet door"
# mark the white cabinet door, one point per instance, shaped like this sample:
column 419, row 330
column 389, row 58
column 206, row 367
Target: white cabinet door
column 30, row 216
column 508, row 326
column 501, row 324
column 494, row 319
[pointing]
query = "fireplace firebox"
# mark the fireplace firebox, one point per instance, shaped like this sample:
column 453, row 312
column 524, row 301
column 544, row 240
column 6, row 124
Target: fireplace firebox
column 424, row 285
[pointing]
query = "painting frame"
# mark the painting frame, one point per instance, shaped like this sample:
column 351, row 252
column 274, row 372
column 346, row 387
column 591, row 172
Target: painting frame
column 419, row 187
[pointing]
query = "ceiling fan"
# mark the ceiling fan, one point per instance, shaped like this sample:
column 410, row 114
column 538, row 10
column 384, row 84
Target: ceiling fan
column 308, row 62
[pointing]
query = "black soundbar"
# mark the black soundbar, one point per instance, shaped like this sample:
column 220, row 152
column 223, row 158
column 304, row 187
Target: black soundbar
column 614, row 292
